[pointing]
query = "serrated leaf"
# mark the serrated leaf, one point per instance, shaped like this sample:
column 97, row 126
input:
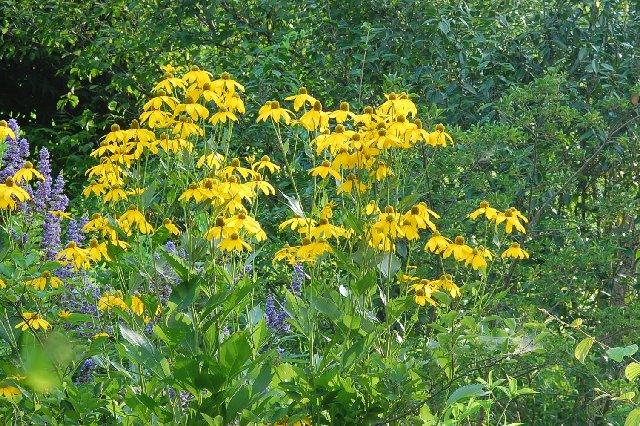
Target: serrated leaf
column 632, row 371
column 582, row 350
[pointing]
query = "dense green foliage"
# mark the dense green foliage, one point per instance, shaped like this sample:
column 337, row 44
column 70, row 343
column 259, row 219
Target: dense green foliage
column 539, row 97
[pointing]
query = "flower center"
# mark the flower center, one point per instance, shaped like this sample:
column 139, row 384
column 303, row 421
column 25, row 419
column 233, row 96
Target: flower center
column 94, row 243
column 225, row 76
column 235, row 163
column 302, row 91
column 484, row 205
column 275, row 104
column 439, row 127
column 344, row 106
column 459, row 240
column 9, row 182
column 317, row 106
column 219, row 222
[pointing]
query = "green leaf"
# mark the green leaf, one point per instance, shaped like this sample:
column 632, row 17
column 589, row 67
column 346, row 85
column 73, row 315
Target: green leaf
column 234, row 352
column 467, row 391
column 618, row 354
column 633, row 418
column 583, row 348
column 632, row 371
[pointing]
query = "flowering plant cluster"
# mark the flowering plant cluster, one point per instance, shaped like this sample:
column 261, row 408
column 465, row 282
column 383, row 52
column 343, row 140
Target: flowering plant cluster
column 173, row 280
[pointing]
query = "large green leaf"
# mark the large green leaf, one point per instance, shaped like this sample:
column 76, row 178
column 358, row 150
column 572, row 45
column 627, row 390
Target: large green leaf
column 583, row 348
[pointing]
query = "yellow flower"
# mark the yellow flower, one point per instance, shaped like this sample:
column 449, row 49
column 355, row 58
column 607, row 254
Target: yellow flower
column 156, row 102
column 437, row 243
column 372, row 208
column 516, row 252
column 423, row 291
column 97, row 223
column 439, row 136
column 302, row 224
column 489, row 212
column 420, row 217
column 96, row 188
column 222, row 116
column 323, row 170
column 173, row 229
column 219, row 230
column 64, row 314
column 137, row 306
column 196, row 192
column 60, row 214
column 197, row 77
column 286, row 253
column 511, row 218
column 352, row 183
column 341, row 115
column 74, row 255
column 235, row 167
column 477, row 257
column 7, row 191
column 262, row 185
column 26, row 173
column 41, row 282
column 234, row 103
column 98, row 251
column 315, row 118
column 98, row 335
column 273, row 110
column 388, row 224
column 460, row 250
column 134, row 217
column 326, row 230
column 310, row 250
column 213, row 160
column 169, row 84
column 185, row 128
column 6, row 390
column 226, row 83
column 115, row 194
column 301, row 99
column 33, row 320
column 234, row 242
column 265, row 162
column 6, row 131
column 108, row 301
column 2, row 283
column 446, row 282
column 416, row 133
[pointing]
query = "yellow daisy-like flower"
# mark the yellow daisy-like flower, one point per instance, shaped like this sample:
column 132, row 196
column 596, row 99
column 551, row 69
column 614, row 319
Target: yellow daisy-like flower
column 273, row 110
column 41, row 282
column 64, row 314
column 226, row 84
column 173, row 229
column 265, row 162
column 169, row 84
column 446, row 282
column 343, row 114
column 423, row 291
column 301, row 99
column 6, row 131
column 511, row 218
column 315, row 118
column 325, row 169
column 137, row 306
column 98, row 251
column 310, row 250
column 33, row 320
column 26, row 173
column 8, row 391
column 351, row 184
column 437, row 243
column 196, row 192
column 516, row 252
column 234, row 242
column 60, row 214
column 302, row 224
column 108, row 301
column 222, row 116
column 458, row 248
column 439, row 136
column 2, row 283
column 477, row 258
column 489, row 212
column 75, row 255
column 197, row 76
column 7, row 191
column 133, row 217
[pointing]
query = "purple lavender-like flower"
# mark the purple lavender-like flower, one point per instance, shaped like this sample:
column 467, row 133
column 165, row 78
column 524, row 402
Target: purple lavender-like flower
column 13, row 125
column 16, row 153
column 297, row 278
column 42, row 196
column 50, row 236
column 59, row 201
column 276, row 318
column 75, row 232
column 86, row 371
